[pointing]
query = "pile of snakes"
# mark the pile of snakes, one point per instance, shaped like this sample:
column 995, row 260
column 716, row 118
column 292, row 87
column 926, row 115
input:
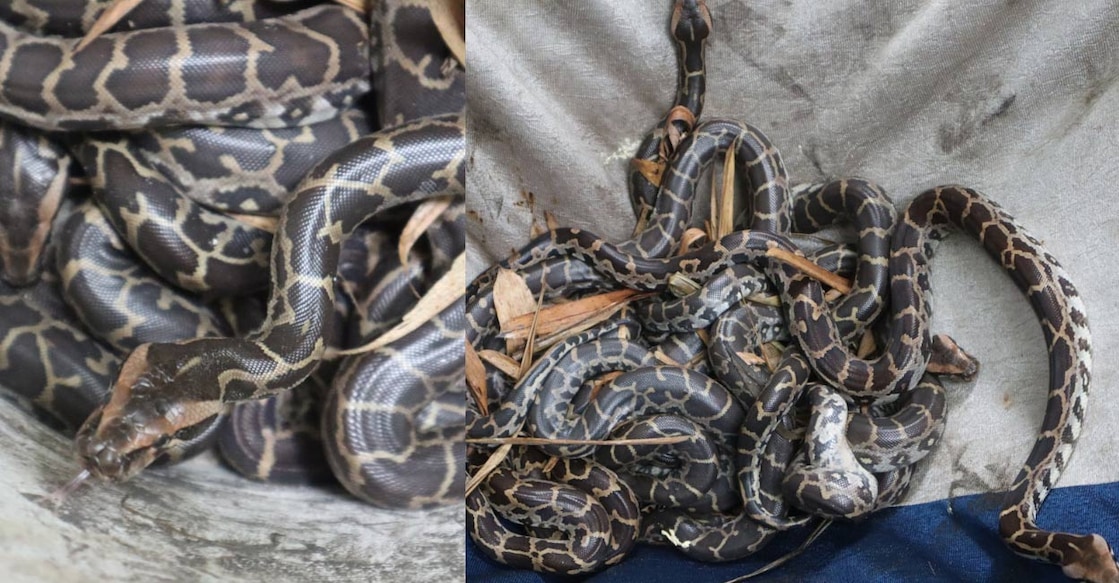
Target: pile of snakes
column 203, row 207
column 789, row 404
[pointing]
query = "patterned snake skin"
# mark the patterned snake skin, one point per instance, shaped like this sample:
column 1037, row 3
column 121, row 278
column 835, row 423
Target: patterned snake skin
column 33, row 173
column 48, row 85
column 166, row 388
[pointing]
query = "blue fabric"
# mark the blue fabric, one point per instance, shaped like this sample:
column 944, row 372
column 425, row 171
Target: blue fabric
column 924, row 542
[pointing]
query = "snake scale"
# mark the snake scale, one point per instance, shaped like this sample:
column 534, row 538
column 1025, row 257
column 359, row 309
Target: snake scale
column 833, row 430
column 230, row 148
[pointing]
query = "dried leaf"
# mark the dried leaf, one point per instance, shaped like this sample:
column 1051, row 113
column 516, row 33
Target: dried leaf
column 751, row 358
column 535, row 230
column 602, row 381
column 526, row 360
column 425, row 214
column 867, row 345
column 502, row 362
column 561, row 316
column 690, row 238
column 550, row 221
column 487, row 468
column 269, row 224
column 450, row 19
column 771, row 353
column 724, row 223
column 361, row 6
column 594, row 319
column 675, row 136
column 811, row 269
column 511, row 298
column 476, row 379
column 709, row 224
column 652, row 171
column 449, row 289
column 108, row 19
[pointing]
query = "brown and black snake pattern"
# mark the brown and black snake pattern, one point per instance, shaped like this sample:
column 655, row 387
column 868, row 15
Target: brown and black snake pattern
column 74, row 18
column 164, row 388
column 118, row 297
column 241, row 170
column 594, row 515
column 1064, row 324
column 33, row 178
column 46, row 84
column 47, row 358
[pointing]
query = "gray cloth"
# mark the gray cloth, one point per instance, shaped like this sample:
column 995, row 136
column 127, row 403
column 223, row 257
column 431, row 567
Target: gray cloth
column 1013, row 98
column 199, row 521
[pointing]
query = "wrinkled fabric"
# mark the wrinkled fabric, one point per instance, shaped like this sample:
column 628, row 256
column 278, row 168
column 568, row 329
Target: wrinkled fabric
column 1014, row 98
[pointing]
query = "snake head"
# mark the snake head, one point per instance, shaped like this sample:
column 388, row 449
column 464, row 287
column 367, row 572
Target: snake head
column 691, row 21
column 142, row 422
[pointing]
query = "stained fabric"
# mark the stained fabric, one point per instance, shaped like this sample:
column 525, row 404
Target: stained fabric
column 1015, row 98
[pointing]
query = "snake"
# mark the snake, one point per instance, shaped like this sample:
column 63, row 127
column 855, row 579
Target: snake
column 415, row 74
column 74, row 19
column 826, row 479
column 48, row 360
column 63, row 367
column 164, row 389
column 396, row 419
column 207, row 74
column 694, row 475
column 394, row 416
column 364, row 430
column 589, row 519
column 236, row 170
column 33, row 173
column 690, row 26
column 1064, row 324
column 115, row 295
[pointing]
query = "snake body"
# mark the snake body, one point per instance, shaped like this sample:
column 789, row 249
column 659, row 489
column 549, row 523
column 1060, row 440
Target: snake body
column 73, row 19
column 50, row 86
column 239, row 170
column 396, row 417
column 1064, row 323
column 594, row 518
column 48, row 360
column 412, row 162
column 117, row 296
column 33, row 173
